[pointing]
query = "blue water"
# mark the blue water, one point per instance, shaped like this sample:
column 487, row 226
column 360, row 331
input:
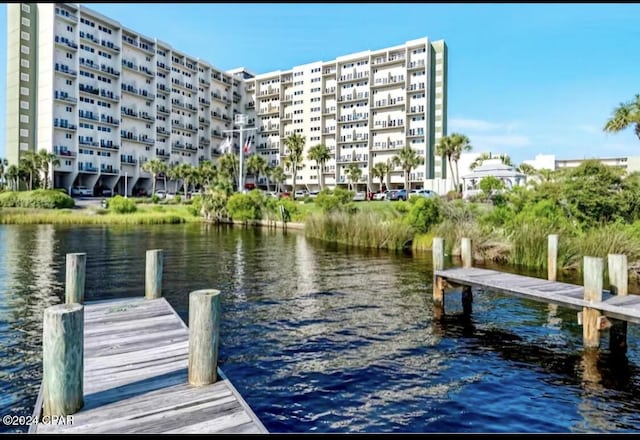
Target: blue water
column 324, row 339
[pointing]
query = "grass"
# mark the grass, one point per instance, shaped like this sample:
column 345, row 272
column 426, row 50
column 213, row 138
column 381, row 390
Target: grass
column 146, row 215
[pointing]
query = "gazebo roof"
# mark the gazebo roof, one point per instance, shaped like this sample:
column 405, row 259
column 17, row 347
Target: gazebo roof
column 493, row 167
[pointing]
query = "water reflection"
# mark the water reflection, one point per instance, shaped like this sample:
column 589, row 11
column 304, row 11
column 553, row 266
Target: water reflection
column 320, row 338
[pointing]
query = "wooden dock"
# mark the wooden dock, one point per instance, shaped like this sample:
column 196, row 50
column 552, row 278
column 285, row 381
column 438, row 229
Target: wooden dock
column 626, row 308
column 136, row 354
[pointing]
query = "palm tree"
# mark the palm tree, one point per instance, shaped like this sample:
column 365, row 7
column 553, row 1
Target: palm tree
column 155, row 167
column 30, row 165
column 3, row 164
column 228, row 165
column 321, row 154
column 278, row 176
column 407, row 159
column 527, row 169
column 381, row 170
column 256, row 165
column 12, row 173
column 207, row 171
column 445, row 149
column 47, row 161
column 460, row 144
column 353, row 172
column 186, row 172
column 504, row 158
column 295, row 144
column 624, row 115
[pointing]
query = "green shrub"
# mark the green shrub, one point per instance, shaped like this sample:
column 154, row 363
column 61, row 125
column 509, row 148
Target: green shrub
column 196, row 206
column 243, row 207
column 120, row 205
column 424, row 213
column 334, row 201
column 177, row 198
column 40, row 198
column 155, row 198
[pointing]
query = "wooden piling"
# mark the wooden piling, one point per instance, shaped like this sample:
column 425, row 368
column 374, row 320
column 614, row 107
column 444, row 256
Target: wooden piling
column 593, row 270
column 153, row 274
column 75, row 278
column 466, row 252
column 204, row 335
column 63, row 359
column 618, row 280
column 552, row 257
column 438, row 283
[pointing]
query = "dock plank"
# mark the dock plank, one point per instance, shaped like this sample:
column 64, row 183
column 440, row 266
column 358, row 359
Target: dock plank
column 626, row 308
column 135, row 377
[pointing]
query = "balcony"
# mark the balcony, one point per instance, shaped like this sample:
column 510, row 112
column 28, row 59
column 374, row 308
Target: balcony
column 415, row 87
column 389, row 81
column 89, row 37
column 162, row 109
column 162, row 66
column 66, row 15
column 353, row 118
column 387, row 146
column 109, row 120
column 204, row 102
column 416, row 109
column 161, row 88
column 64, row 124
column 89, row 89
column 108, row 169
column 162, row 131
column 392, row 102
column 162, row 153
column 217, row 115
column 63, row 152
column 269, row 110
column 109, row 95
column 127, row 160
column 204, row 141
column 62, row 68
column 87, row 115
column 350, row 77
column 64, row 96
column 88, row 142
column 110, row 46
column 178, row 145
column 389, row 124
column 109, row 145
column 354, row 97
column 329, row 91
column 87, row 168
column 420, row 64
column 204, row 82
column 393, row 59
column 109, row 70
column 250, row 105
column 65, row 42
column 271, row 91
column 216, row 133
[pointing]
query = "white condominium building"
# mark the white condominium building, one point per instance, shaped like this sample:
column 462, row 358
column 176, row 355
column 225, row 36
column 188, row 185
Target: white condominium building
column 106, row 99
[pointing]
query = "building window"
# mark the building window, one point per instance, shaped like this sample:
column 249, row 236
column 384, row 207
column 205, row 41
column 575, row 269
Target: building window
column 26, row 21
column 24, row 105
column 69, row 82
column 24, row 77
column 24, row 132
column 24, row 146
column 25, row 35
column 24, row 63
column 24, row 119
column 26, row 8
column 24, row 49
column 24, row 91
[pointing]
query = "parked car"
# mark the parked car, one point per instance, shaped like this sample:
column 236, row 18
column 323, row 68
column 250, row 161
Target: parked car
column 398, row 194
column 423, row 193
column 360, row 196
column 165, row 195
column 380, row 195
column 81, row 191
column 314, row 194
column 301, row 193
column 392, row 194
column 106, row 192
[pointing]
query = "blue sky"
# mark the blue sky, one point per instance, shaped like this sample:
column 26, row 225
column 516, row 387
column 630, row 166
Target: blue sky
column 523, row 78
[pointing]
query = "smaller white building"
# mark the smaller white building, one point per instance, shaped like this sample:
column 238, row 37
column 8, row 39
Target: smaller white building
column 491, row 167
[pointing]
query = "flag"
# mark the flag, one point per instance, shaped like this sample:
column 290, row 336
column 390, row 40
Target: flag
column 247, row 145
column 225, row 146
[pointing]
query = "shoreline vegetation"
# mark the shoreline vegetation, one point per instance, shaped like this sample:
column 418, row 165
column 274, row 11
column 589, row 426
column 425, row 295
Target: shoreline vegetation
column 594, row 208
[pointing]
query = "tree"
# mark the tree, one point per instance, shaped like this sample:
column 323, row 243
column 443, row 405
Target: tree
column 460, row 144
column 278, row 176
column 47, row 161
column 256, row 165
column 445, row 149
column 504, row 158
column 293, row 161
column 186, row 172
column 527, row 169
column 407, row 159
column 12, row 174
column 154, row 167
column 30, row 165
column 353, row 172
column 625, row 115
column 3, row 166
column 207, row 172
column 381, row 170
column 321, row 154
column 228, row 166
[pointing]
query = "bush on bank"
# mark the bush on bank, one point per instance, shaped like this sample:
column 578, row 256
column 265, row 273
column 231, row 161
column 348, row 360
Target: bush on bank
column 39, row 198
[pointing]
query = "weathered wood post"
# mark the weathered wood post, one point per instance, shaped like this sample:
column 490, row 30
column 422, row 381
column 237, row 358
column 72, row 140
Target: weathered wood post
column 593, row 269
column 75, row 278
column 153, row 274
column 618, row 280
column 204, row 334
column 63, row 359
column 466, row 252
column 552, row 257
column 438, row 283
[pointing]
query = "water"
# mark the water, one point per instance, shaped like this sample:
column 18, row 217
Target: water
column 321, row 339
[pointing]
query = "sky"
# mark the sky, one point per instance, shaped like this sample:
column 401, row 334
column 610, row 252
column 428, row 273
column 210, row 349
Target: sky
column 524, row 79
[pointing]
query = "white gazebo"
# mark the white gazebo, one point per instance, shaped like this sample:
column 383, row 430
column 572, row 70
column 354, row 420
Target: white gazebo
column 491, row 167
